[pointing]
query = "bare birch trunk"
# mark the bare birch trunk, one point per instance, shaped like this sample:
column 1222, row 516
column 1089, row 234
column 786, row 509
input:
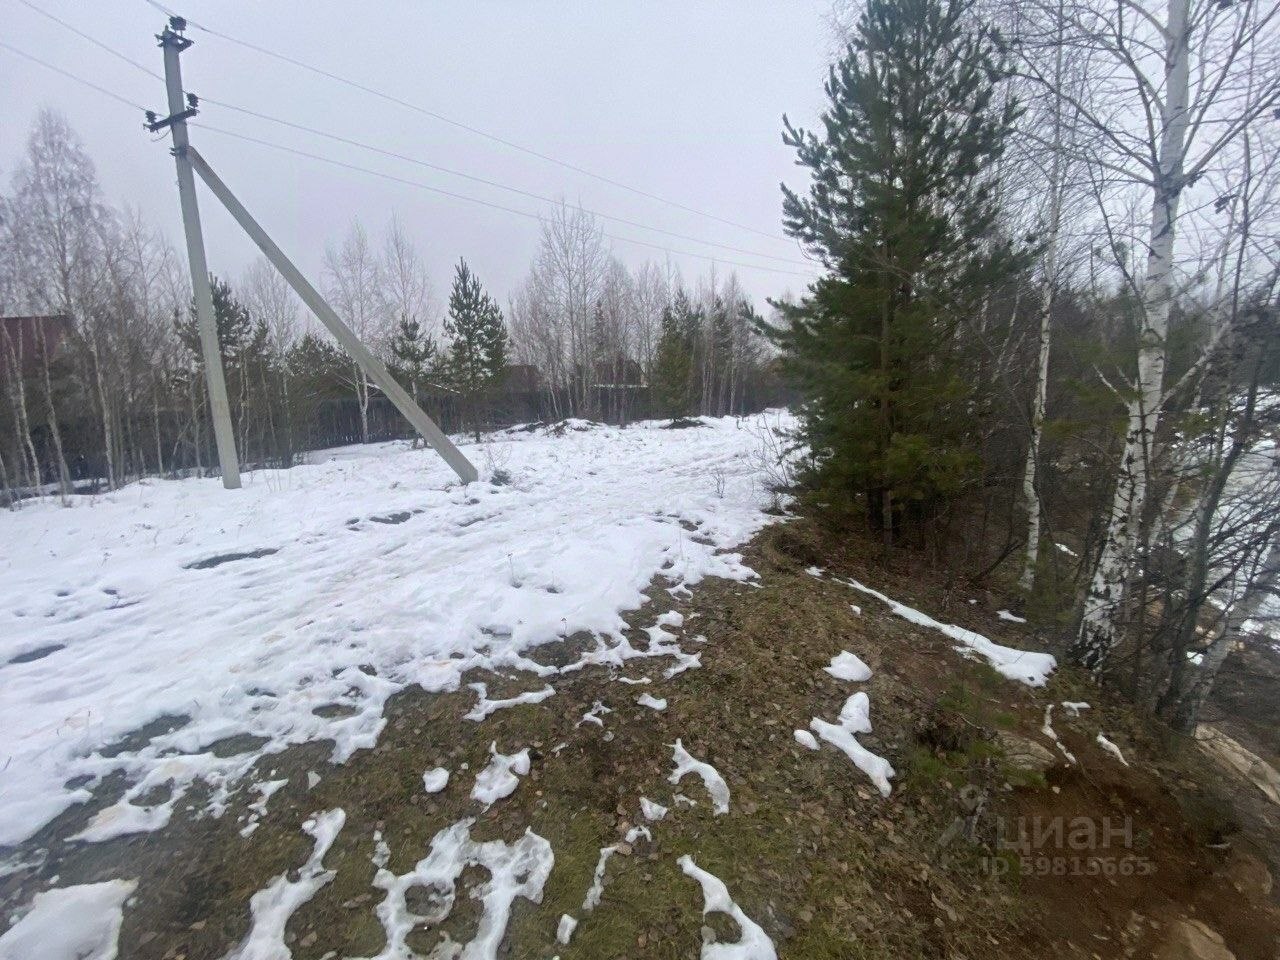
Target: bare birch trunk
column 1098, row 625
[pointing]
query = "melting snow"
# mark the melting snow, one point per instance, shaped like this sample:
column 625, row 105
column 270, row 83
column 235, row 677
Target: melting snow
column 1074, row 706
column 847, row 666
column 1112, row 749
column 70, row 923
column 564, row 931
column 806, row 739
column 258, row 809
column 435, row 780
column 484, row 706
column 855, row 717
column 1025, row 666
column 652, row 811
column 273, row 905
column 501, row 777
column 653, row 703
column 716, row 787
column 593, row 715
column 596, row 890
column 753, row 943
column 1010, row 616
column 476, row 577
column 515, row 870
column 1047, row 729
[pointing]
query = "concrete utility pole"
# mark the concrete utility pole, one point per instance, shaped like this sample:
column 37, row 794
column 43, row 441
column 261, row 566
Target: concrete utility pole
column 180, row 108
column 370, row 364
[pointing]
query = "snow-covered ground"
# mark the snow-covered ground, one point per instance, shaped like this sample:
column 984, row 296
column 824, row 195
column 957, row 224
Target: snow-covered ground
column 351, row 578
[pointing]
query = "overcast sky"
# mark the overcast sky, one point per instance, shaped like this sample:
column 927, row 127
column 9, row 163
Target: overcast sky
column 677, row 98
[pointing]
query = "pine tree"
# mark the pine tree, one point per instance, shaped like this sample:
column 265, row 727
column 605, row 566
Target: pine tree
column 673, row 360
column 478, row 341
column 903, row 213
column 413, row 352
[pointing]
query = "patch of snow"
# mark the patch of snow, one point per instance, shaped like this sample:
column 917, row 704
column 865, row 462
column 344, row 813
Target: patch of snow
column 501, row 777
column 435, row 779
column 596, row 890
column 564, row 930
column 753, row 943
column 686, row 763
column 652, row 811
column 856, row 609
column 806, row 739
column 1074, row 706
column 681, row 800
column 70, row 923
column 1024, row 666
column 687, row 661
column 272, row 906
column 855, row 717
column 1067, row 550
column 313, row 779
column 1112, row 749
column 672, row 618
column 258, row 809
column 484, row 706
column 653, row 703
column 635, row 833
column 1010, row 616
column 341, row 614
column 593, row 715
column 848, row 666
column 627, row 680
column 814, row 572
column 1047, row 729
column 515, row 870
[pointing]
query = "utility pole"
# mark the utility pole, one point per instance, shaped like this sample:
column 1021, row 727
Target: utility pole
column 358, row 352
column 181, row 107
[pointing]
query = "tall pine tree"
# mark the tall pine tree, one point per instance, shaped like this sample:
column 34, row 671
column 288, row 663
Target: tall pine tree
column 902, row 212
column 478, row 342
column 673, row 360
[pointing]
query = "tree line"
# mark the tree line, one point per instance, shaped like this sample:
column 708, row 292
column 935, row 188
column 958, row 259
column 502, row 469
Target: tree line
column 1045, row 347
column 117, row 391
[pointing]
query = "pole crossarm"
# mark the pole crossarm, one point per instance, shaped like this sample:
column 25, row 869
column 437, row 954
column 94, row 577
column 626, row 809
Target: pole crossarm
column 319, row 306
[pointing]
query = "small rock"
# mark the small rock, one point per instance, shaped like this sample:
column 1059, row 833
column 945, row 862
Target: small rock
column 1023, row 753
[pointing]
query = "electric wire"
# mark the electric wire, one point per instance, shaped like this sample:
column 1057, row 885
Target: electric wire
column 393, row 178
column 364, row 145
column 486, row 203
column 476, row 131
column 71, row 76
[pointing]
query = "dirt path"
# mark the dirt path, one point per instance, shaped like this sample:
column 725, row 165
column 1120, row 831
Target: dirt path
column 809, row 850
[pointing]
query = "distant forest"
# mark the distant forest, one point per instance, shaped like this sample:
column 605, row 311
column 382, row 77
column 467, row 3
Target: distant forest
column 101, row 376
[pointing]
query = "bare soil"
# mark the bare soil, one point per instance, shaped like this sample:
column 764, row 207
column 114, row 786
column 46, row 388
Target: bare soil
column 809, row 849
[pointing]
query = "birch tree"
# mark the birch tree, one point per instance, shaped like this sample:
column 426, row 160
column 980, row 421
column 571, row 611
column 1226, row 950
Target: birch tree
column 1171, row 90
column 355, row 288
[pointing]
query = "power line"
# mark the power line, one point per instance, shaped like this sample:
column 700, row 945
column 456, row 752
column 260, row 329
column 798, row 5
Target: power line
column 408, row 159
column 391, row 177
column 486, row 203
column 71, row 76
column 94, row 40
column 390, row 98
column 492, row 183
